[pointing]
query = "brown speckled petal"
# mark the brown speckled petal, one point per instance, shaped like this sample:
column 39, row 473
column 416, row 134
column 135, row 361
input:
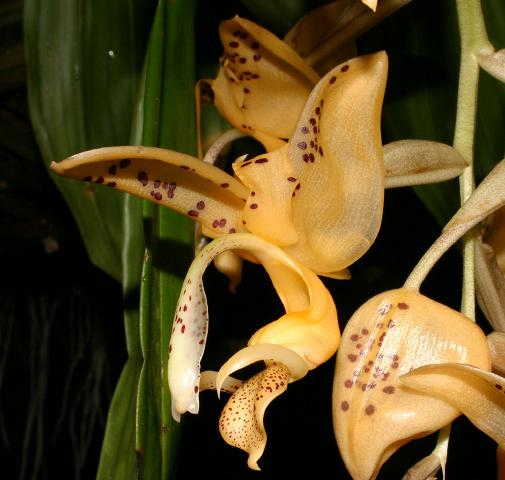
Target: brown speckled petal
column 241, row 422
column 177, row 181
column 393, row 333
column 257, row 67
column 336, row 153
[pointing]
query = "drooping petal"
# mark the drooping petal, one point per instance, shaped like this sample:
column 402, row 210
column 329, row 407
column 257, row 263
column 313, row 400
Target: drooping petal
column 336, row 151
column 180, row 182
column 309, row 327
column 493, row 63
column 393, row 333
column 416, row 162
column 257, row 67
column 478, row 394
column 241, row 422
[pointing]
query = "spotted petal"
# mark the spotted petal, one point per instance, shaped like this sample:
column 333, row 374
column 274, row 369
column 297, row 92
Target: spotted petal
column 478, row 394
column 309, row 328
column 335, row 152
column 393, row 333
column 257, row 67
column 181, row 182
column 241, row 422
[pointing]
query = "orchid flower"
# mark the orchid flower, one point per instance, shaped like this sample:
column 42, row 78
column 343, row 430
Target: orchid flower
column 307, row 197
column 257, row 66
column 306, row 336
column 407, row 365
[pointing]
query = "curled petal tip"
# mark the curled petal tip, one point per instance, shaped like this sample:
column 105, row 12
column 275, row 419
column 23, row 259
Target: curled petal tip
column 270, row 354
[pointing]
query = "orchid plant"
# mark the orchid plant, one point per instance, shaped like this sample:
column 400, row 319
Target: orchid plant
column 311, row 205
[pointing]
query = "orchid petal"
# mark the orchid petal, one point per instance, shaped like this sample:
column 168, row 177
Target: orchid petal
column 269, row 353
column 490, row 285
column 493, row 63
column 388, row 336
column 271, row 183
column 180, row 182
column 309, row 327
column 208, row 382
column 241, row 422
column 335, row 150
column 256, row 67
column 495, row 236
column 372, row 4
column 416, row 162
column 478, row 394
column 496, row 343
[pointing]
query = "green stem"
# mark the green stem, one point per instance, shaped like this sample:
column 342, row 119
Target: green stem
column 473, row 39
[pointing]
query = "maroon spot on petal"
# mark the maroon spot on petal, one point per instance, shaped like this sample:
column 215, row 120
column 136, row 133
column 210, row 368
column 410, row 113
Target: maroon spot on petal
column 202, row 341
column 142, row 178
column 333, row 79
column 233, row 44
column 200, row 205
column 302, row 145
column 242, row 60
column 305, row 130
column 184, row 167
column 291, row 179
column 112, row 170
column 237, row 33
column 306, row 157
column 124, row 163
column 261, row 160
column 403, row 306
column 391, row 324
column 243, row 35
column 364, row 331
column 245, row 164
column 87, row 179
column 193, row 213
column 318, row 111
column 183, row 328
column 225, row 185
column 354, row 337
column 255, row 45
column 348, row 384
column 196, row 389
column 111, row 184
column 256, row 58
column 157, row 196
column 222, row 222
column 315, row 130
column 231, row 230
column 358, row 345
column 370, row 410
column 344, row 68
column 312, row 121
column 253, row 206
column 352, row 357
column 344, row 406
column 215, row 224
column 311, row 157
column 389, row 389
column 253, row 194
column 298, row 186
column 246, row 90
column 255, row 75
column 99, row 180
column 321, row 151
column 395, row 365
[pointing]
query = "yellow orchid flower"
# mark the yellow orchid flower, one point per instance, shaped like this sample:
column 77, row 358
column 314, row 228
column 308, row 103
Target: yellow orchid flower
column 306, row 197
column 306, row 336
column 257, row 66
column 407, row 365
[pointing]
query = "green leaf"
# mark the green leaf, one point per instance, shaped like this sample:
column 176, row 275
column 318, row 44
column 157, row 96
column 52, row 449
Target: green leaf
column 84, row 59
column 168, row 121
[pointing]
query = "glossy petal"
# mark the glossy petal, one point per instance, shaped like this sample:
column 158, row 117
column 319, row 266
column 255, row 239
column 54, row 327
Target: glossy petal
column 309, row 328
column 478, row 394
column 257, row 66
column 175, row 180
column 336, row 150
column 390, row 335
column 241, row 423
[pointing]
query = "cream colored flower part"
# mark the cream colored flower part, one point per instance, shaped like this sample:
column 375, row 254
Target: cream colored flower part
column 241, row 422
column 257, row 67
column 306, row 197
column 390, row 335
column 306, row 336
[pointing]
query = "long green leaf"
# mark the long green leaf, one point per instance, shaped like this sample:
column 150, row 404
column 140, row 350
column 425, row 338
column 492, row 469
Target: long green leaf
column 168, row 122
column 84, row 59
